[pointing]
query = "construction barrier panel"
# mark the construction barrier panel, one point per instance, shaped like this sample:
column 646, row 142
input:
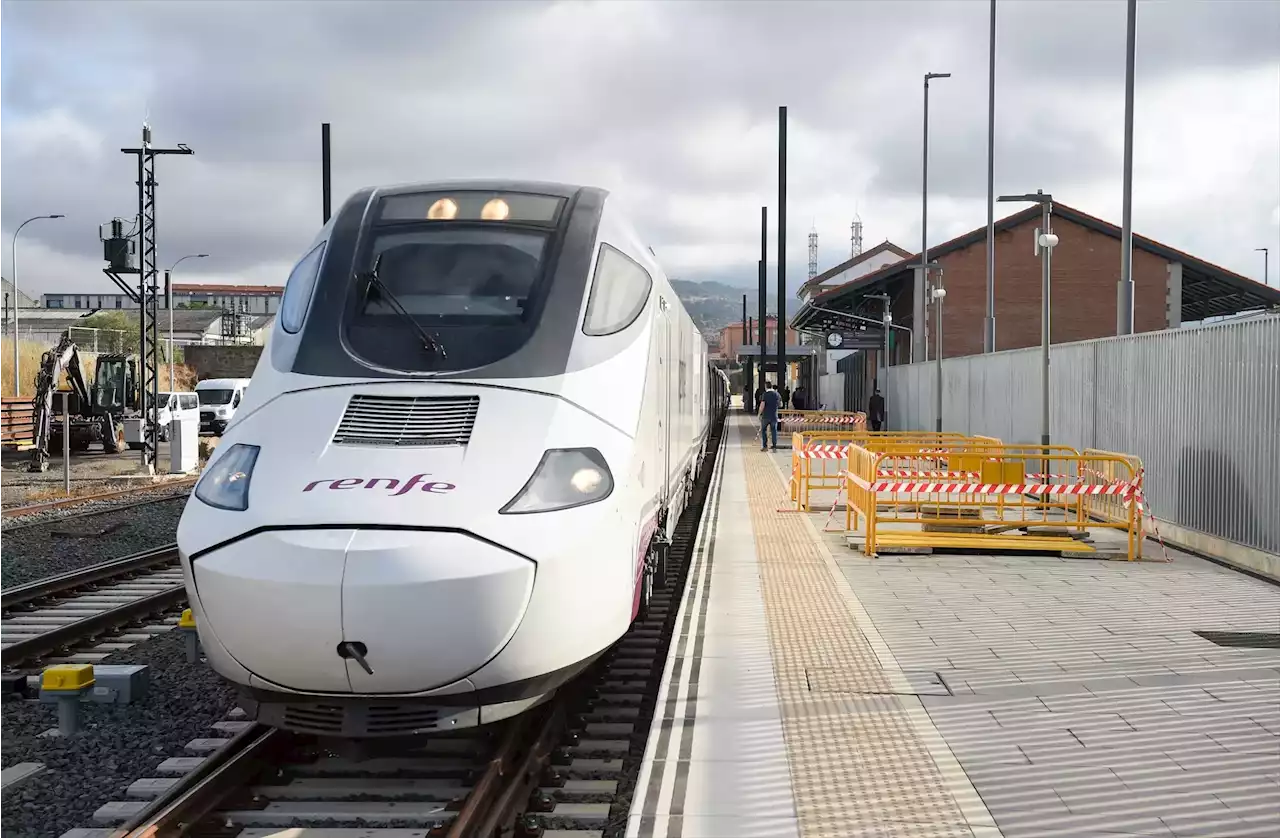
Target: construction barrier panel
column 818, row 458
column 980, row 495
column 17, row 423
column 821, row 420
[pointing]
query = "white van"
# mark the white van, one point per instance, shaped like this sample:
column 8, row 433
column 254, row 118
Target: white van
column 176, row 406
column 219, row 398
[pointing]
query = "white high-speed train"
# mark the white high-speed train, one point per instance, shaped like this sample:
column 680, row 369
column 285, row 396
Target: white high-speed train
column 459, row 462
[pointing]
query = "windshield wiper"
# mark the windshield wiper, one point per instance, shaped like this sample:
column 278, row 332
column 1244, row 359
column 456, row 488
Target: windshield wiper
column 428, row 343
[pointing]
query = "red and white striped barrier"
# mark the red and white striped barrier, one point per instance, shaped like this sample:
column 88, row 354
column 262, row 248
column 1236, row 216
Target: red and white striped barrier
column 858, row 419
column 932, row 488
column 902, row 472
column 824, row 452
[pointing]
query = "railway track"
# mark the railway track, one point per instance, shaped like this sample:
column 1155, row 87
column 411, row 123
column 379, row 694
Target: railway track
column 562, row 770
column 71, row 609
column 33, row 511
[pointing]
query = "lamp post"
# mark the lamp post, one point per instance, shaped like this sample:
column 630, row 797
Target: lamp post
column 924, row 196
column 168, row 293
column 1266, row 264
column 13, row 254
column 1044, row 244
column 938, row 294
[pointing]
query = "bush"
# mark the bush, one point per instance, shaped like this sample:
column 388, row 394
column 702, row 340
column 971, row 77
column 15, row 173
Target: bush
column 29, row 355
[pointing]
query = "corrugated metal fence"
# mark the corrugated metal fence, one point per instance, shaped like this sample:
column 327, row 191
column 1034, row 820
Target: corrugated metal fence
column 1200, row 406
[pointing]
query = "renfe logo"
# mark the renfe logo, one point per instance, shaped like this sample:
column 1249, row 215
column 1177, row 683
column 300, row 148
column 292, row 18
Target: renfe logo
column 434, row 487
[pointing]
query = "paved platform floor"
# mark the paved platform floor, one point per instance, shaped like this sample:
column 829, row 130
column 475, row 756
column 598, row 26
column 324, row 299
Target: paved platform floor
column 813, row 691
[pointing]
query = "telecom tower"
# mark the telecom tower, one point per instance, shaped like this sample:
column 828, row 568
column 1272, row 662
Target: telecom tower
column 855, row 237
column 813, row 252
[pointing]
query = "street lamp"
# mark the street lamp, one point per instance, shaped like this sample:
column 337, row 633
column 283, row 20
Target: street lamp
column 1045, row 242
column 939, row 294
column 168, row 293
column 924, row 194
column 17, row 371
column 1266, row 266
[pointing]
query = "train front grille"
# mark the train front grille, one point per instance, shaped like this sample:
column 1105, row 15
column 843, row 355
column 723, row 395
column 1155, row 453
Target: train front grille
column 356, row 720
column 407, row 420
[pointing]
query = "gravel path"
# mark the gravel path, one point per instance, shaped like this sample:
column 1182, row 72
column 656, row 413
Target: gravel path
column 117, row 744
column 59, row 544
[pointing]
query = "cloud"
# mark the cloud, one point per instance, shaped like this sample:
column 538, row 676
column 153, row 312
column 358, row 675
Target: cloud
column 673, row 106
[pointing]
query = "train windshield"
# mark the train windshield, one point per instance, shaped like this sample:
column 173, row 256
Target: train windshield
column 431, row 296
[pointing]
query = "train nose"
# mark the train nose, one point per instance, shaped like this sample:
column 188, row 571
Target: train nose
column 364, row 611
column 431, row 607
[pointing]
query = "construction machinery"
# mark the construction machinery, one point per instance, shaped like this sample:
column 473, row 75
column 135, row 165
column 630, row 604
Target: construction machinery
column 95, row 414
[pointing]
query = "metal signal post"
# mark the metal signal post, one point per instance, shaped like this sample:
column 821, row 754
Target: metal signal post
column 147, row 291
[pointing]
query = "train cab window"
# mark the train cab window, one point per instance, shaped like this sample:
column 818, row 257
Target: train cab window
column 473, row 292
column 619, row 292
column 298, row 290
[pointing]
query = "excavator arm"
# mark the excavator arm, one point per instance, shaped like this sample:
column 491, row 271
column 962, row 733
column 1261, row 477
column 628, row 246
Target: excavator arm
column 64, row 356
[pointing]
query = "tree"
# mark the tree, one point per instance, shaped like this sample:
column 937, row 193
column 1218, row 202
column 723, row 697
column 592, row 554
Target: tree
column 125, row 326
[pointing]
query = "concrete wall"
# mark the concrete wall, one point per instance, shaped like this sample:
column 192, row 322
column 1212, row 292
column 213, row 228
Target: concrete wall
column 222, row 361
column 1198, row 405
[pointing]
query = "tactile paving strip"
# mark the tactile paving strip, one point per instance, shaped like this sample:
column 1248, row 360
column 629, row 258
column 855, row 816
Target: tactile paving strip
column 853, row 769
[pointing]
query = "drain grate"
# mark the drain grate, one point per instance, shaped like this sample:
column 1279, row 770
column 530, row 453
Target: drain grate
column 1243, row 639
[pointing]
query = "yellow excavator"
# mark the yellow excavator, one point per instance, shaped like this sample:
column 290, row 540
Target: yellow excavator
column 96, row 413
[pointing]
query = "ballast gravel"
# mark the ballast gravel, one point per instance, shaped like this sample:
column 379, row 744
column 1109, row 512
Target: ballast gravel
column 59, row 544
column 117, row 744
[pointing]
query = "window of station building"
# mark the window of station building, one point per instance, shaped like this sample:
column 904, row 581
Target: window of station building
column 619, row 292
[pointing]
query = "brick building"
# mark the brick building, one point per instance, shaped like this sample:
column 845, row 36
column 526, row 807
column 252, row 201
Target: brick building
column 731, row 336
column 1170, row 288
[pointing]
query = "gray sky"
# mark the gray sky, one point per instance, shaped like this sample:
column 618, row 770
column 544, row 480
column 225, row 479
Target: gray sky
column 673, row 105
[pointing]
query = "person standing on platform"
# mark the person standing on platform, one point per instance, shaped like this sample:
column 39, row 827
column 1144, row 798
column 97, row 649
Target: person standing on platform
column 799, row 397
column 786, row 396
column 875, row 411
column 768, row 412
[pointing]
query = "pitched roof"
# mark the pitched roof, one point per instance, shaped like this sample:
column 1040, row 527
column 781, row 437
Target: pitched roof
column 1208, row 289
column 885, row 246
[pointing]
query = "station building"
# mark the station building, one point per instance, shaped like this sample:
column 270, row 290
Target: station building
column 1171, row 288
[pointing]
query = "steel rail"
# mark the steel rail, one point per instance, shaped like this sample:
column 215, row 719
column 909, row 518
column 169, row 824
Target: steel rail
column 228, row 770
column 474, row 805
column 61, row 636
column 67, row 582
column 522, row 782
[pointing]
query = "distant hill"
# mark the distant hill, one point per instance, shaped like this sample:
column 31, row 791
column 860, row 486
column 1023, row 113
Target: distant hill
column 714, row 305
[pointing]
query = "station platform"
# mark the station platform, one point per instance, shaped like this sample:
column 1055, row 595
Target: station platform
column 811, row 690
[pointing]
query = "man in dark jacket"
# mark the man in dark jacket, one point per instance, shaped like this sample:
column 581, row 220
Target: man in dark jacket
column 875, row 412
column 799, row 397
column 769, row 404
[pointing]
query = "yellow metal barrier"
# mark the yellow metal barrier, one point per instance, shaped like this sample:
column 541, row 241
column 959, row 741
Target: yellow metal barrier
column 981, row 495
column 817, row 457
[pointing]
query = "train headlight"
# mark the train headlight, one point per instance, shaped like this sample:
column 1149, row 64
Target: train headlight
column 566, row 477
column 225, row 484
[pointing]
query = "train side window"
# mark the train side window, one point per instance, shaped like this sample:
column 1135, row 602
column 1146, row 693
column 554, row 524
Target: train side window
column 297, row 291
column 619, row 292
